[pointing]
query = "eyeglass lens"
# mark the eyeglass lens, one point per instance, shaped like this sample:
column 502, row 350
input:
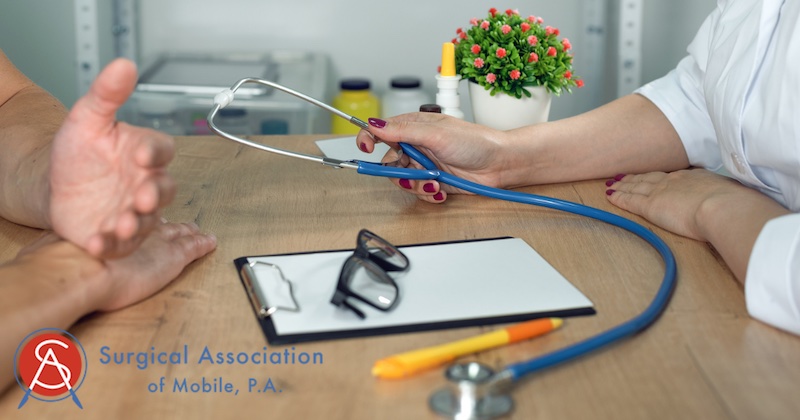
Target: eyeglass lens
column 371, row 284
column 384, row 252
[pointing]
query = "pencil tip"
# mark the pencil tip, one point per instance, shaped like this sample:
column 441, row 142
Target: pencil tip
column 557, row 322
column 376, row 370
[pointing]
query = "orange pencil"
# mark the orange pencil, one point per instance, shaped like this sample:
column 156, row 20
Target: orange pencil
column 409, row 363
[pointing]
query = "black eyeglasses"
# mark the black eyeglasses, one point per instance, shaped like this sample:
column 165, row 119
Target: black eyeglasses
column 365, row 275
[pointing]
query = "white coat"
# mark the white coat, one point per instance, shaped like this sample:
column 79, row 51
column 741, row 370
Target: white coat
column 735, row 103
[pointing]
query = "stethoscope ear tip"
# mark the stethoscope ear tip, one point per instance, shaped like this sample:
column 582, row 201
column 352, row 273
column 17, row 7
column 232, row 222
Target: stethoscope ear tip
column 470, row 394
column 224, row 98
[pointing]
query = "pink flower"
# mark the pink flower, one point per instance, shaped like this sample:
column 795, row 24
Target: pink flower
column 567, row 44
column 568, row 75
column 533, row 58
column 493, row 12
column 551, row 52
column 539, row 20
column 514, row 74
column 532, row 40
column 478, row 63
column 462, row 35
column 501, row 52
column 485, row 25
column 473, row 21
column 531, row 18
column 579, row 83
column 459, row 30
column 491, row 78
column 506, row 29
column 524, row 27
column 454, row 40
column 549, row 30
column 509, row 12
column 475, row 48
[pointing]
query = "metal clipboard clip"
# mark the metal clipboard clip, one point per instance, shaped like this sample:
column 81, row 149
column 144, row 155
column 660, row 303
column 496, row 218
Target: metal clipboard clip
column 257, row 295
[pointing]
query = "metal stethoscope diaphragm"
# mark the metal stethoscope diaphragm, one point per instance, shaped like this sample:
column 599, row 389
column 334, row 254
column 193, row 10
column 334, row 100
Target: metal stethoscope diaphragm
column 474, row 391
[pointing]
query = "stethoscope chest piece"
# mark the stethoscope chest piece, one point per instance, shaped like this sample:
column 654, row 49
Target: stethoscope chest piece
column 469, row 395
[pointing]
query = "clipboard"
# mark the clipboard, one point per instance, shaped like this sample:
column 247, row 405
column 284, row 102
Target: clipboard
column 448, row 285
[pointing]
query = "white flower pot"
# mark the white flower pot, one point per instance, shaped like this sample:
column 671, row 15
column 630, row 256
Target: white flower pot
column 505, row 112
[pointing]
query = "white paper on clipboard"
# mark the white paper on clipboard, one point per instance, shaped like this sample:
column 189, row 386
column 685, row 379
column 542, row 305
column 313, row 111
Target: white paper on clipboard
column 451, row 284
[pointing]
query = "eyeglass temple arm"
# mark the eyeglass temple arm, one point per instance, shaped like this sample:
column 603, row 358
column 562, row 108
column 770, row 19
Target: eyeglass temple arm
column 357, row 311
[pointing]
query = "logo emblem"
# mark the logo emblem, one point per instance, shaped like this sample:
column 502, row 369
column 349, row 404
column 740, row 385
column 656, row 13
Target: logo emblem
column 50, row 365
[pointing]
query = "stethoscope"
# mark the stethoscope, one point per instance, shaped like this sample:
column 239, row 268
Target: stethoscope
column 475, row 390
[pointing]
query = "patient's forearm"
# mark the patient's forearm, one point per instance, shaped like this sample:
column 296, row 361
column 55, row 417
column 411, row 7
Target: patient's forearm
column 28, row 123
column 48, row 288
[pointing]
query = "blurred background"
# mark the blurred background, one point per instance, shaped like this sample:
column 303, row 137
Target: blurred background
column 182, row 46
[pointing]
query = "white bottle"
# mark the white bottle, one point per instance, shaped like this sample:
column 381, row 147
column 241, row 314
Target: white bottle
column 404, row 96
column 447, row 83
column 447, row 96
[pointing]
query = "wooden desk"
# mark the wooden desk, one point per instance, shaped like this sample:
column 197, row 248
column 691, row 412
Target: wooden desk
column 704, row 359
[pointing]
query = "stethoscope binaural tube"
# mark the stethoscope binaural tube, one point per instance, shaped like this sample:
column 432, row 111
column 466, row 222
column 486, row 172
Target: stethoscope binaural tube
column 516, row 371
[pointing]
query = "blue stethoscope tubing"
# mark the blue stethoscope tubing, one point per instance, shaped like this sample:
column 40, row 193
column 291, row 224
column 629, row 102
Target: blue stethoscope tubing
column 515, row 371
column 632, row 326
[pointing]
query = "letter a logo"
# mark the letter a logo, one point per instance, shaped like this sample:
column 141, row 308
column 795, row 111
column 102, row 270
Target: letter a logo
column 50, row 365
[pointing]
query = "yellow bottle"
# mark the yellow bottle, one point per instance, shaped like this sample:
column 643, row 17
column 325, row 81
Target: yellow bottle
column 356, row 99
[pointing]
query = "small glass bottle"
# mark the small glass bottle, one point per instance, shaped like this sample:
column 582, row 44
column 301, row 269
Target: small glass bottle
column 405, row 95
column 356, row 99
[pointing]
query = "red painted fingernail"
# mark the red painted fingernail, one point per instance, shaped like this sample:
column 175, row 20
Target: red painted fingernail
column 610, row 182
column 377, row 122
column 438, row 196
column 619, row 177
column 610, row 191
column 405, row 183
column 429, row 187
column 363, row 147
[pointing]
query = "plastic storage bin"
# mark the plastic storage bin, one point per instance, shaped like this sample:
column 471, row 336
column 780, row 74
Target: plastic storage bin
column 176, row 92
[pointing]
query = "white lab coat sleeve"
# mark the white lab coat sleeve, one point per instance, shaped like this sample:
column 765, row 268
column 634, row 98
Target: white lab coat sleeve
column 680, row 96
column 772, row 285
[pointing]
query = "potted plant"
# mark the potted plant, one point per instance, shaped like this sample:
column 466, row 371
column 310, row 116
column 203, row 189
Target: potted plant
column 510, row 59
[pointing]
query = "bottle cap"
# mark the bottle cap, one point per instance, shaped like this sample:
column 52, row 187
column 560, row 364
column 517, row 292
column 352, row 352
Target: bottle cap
column 448, row 60
column 430, row 108
column 354, row 84
column 406, row 82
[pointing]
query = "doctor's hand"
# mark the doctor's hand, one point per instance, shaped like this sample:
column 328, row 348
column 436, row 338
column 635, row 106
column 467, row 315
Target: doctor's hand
column 690, row 202
column 108, row 180
column 700, row 205
column 466, row 150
